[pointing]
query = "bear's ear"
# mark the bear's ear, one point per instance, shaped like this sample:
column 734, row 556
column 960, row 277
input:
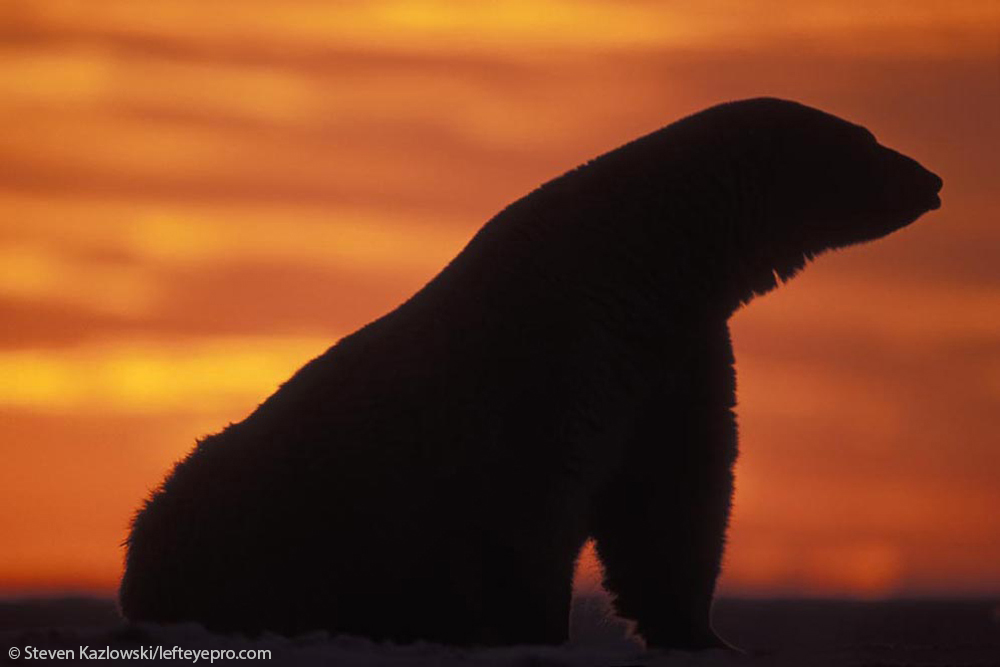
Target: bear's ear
column 865, row 135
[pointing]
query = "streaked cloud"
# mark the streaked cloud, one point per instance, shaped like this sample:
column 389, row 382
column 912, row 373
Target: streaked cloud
column 196, row 198
column 515, row 26
column 141, row 377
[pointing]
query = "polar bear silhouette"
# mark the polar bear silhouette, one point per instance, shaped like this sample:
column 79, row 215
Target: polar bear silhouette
column 568, row 375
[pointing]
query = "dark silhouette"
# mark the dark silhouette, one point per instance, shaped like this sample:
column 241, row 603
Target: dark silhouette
column 434, row 475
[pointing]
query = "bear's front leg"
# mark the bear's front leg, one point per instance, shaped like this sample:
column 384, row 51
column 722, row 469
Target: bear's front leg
column 660, row 523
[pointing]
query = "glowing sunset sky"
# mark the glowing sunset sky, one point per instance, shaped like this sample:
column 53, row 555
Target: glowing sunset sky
column 197, row 197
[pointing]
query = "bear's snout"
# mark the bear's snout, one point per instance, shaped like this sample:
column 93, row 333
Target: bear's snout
column 908, row 185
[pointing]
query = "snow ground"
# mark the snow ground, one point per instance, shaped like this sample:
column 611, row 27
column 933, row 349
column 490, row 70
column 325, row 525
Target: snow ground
column 776, row 633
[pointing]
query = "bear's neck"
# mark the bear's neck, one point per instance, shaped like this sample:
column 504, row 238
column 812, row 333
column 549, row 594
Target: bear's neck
column 577, row 265
column 590, row 255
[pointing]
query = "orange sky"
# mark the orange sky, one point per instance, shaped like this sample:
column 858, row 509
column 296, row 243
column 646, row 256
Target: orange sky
column 196, row 198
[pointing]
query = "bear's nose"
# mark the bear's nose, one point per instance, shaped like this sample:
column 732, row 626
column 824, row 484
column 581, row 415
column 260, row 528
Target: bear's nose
column 935, row 183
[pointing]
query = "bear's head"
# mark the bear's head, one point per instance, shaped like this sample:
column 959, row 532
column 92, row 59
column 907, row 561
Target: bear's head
column 829, row 183
column 790, row 182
